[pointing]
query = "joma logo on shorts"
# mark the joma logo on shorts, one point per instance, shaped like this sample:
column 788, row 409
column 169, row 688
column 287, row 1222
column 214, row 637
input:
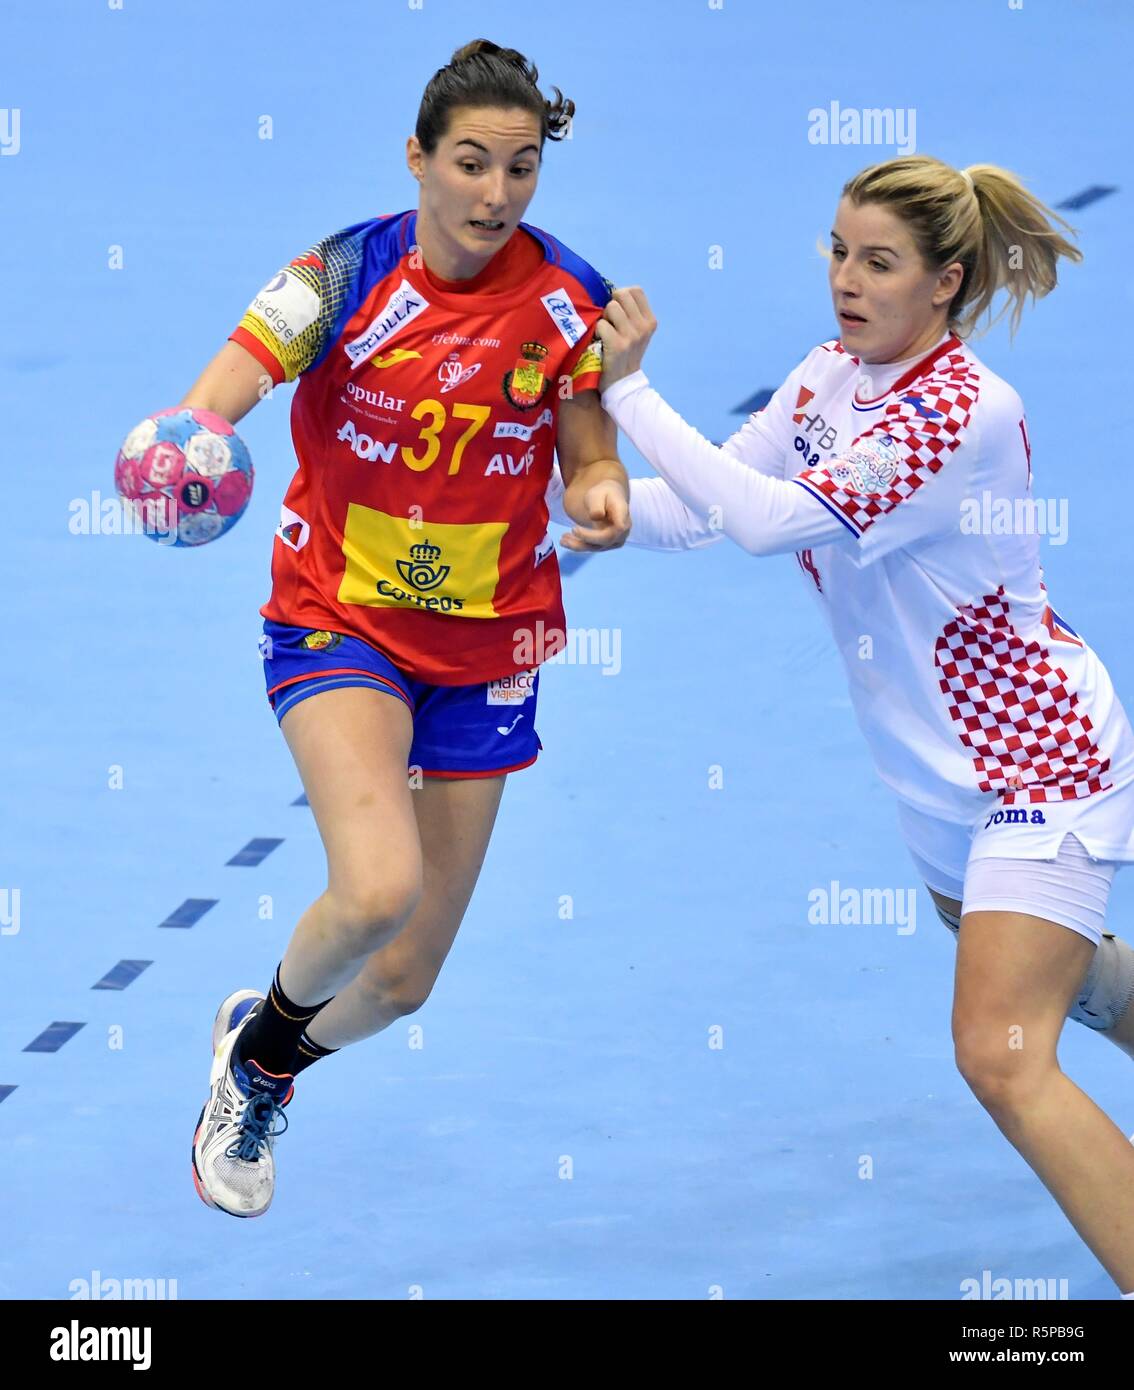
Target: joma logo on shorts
column 1015, row 818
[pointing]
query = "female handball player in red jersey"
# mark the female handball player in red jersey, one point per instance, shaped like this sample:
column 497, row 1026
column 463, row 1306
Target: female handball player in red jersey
column 443, row 356
column 992, row 720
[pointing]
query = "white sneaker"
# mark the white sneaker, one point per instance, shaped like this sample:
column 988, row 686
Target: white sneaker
column 233, row 1166
column 235, row 1009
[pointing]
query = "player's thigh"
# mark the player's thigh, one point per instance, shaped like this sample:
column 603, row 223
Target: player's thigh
column 1017, row 976
column 351, row 747
column 455, row 819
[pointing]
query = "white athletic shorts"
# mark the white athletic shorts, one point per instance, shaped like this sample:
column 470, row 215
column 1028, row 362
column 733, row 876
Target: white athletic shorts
column 1054, row 860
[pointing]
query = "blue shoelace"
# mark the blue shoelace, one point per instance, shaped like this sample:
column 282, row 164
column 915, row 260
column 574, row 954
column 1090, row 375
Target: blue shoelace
column 256, row 1127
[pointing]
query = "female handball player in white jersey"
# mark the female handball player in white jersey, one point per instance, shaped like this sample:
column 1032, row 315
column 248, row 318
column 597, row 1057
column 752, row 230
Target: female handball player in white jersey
column 443, row 355
column 991, row 719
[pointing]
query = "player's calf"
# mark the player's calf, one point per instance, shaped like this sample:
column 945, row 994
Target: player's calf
column 382, row 992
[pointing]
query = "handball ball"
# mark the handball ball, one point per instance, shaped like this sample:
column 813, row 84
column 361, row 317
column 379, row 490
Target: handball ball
column 185, row 474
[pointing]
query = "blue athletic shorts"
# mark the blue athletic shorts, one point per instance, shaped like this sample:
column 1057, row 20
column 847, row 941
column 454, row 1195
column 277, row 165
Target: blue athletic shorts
column 458, row 730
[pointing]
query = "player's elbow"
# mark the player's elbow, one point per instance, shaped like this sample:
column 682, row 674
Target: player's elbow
column 760, row 542
column 231, row 385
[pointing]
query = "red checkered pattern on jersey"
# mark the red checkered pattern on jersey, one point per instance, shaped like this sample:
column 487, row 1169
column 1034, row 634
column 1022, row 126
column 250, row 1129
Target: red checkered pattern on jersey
column 923, row 442
column 1028, row 735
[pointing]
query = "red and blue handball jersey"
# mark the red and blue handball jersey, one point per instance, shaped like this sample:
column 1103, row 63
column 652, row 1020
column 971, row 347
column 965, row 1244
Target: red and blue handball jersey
column 424, row 427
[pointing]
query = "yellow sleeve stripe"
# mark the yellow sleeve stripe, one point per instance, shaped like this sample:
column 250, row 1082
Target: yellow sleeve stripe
column 255, row 325
column 591, row 361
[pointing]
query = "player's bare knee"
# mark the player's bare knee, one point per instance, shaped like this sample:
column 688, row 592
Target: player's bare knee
column 368, row 916
column 997, row 1086
column 997, row 1067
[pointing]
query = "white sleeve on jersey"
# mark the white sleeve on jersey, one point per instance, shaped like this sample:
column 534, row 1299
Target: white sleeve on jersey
column 726, row 487
column 662, row 521
column 553, row 497
column 887, row 491
column 764, row 441
column 659, row 519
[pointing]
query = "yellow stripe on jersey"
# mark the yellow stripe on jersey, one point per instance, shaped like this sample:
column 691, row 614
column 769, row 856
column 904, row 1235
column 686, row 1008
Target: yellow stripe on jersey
column 294, row 314
column 290, row 356
column 431, row 568
column 591, row 360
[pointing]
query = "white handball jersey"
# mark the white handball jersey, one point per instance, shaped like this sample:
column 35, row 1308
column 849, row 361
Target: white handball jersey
column 970, row 688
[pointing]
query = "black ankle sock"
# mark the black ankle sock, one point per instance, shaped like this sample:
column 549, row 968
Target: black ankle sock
column 309, row 1053
column 271, row 1038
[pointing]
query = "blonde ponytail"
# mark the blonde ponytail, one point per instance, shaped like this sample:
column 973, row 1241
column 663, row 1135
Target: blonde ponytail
column 983, row 217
